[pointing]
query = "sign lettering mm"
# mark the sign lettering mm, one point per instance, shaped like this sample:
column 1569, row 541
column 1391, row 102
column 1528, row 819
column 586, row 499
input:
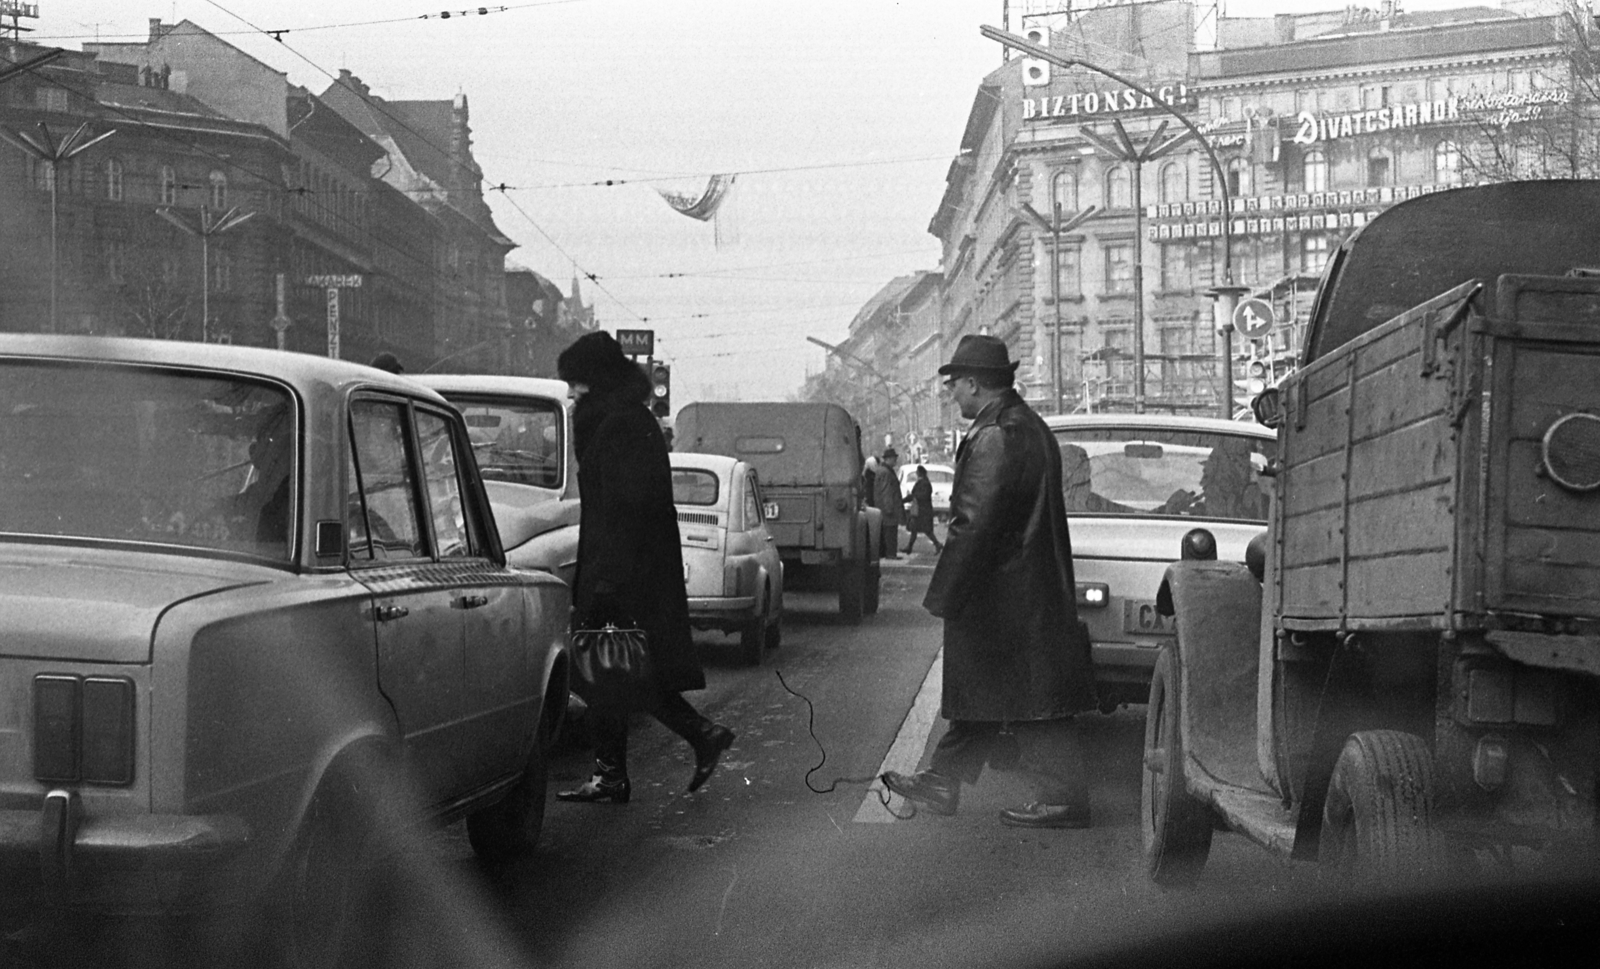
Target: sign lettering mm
column 637, row 343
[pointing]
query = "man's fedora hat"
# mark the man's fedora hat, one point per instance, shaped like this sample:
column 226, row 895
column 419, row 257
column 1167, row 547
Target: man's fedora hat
column 977, row 352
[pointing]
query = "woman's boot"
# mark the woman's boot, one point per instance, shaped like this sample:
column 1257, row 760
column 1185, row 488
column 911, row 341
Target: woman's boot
column 708, row 748
column 609, row 783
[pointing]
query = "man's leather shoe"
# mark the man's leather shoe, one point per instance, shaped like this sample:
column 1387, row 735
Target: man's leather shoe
column 937, row 793
column 1037, row 814
column 706, row 753
column 598, row 788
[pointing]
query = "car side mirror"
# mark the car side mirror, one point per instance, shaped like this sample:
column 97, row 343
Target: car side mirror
column 1268, row 408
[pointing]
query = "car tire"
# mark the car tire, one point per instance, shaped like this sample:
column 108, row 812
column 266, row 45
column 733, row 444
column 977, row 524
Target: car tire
column 873, row 578
column 852, row 591
column 1377, row 818
column 774, row 634
column 1176, row 827
column 753, row 640
column 313, row 910
column 508, row 829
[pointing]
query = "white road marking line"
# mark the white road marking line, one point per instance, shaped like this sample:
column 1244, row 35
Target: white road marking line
column 906, row 751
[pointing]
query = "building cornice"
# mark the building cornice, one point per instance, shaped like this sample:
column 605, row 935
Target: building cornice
column 1389, row 69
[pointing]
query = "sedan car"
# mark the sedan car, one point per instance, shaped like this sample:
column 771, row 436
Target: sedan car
column 521, row 430
column 940, row 478
column 255, row 613
column 731, row 566
column 1134, row 485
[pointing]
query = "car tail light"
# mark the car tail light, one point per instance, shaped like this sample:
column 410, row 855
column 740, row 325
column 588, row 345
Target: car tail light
column 83, row 729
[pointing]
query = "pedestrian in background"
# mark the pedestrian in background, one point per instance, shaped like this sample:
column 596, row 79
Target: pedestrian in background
column 387, row 362
column 1016, row 661
column 890, row 502
column 920, row 519
column 630, row 565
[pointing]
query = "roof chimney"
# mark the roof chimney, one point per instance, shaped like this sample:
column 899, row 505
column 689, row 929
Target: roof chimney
column 1283, row 27
column 156, row 29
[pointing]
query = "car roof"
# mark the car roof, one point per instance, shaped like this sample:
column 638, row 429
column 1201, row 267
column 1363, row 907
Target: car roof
column 301, row 370
column 475, row 383
column 720, row 464
column 1166, row 422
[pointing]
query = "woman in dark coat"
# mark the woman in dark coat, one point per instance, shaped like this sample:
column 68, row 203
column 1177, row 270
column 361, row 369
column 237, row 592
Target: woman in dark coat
column 630, row 565
column 921, row 519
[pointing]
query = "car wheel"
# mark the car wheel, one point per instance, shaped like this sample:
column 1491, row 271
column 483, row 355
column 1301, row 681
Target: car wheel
column 509, row 828
column 774, row 635
column 852, row 591
column 869, row 595
column 1377, row 819
column 313, row 916
column 752, row 640
column 1176, row 827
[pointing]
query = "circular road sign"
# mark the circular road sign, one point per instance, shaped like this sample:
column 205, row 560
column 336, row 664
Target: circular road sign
column 1253, row 318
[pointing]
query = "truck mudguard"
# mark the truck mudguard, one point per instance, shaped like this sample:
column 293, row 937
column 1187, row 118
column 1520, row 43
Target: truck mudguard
column 1218, row 610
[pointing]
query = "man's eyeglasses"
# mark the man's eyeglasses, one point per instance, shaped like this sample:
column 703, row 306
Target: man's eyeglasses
column 950, row 382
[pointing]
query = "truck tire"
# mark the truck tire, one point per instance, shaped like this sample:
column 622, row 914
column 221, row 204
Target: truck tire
column 1377, row 820
column 852, row 591
column 1176, row 827
column 873, row 578
column 509, row 828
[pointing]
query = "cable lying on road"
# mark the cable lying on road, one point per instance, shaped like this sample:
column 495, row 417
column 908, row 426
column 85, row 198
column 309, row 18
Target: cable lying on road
column 811, row 720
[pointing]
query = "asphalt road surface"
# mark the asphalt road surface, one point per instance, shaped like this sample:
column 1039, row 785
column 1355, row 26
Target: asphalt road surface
column 757, row 870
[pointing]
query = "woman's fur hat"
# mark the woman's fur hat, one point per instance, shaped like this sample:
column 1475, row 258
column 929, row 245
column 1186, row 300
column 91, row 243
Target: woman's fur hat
column 596, row 359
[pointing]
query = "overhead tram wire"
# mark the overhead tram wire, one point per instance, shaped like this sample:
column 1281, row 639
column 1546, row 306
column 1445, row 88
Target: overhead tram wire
column 592, row 277
column 617, row 182
column 275, row 32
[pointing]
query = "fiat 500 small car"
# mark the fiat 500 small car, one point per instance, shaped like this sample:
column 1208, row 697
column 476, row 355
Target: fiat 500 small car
column 254, row 618
column 731, row 567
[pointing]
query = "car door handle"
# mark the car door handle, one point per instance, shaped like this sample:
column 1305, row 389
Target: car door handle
column 386, row 613
column 471, row 602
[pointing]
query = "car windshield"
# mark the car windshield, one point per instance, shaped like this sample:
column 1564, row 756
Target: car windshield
column 145, row 455
column 517, row 441
column 1149, row 471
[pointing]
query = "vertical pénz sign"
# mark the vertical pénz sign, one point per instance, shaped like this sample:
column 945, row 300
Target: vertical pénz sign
column 333, row 282
column 637, row 343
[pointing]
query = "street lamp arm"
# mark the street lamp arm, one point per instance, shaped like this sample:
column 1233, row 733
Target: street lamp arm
column 1034, row 50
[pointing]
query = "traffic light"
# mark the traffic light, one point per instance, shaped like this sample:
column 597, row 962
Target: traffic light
column 1250, row 378
column 660, row 389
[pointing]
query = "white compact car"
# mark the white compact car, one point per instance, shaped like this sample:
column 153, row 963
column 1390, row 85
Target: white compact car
column 1135, row 484
column 940, row 477
column 731, row 566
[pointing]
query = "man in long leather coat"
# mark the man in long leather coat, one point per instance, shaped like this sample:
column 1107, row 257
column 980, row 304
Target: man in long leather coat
column 1016, row 662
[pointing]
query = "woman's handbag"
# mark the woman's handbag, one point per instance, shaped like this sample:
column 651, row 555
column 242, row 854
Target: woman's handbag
column 611, row 668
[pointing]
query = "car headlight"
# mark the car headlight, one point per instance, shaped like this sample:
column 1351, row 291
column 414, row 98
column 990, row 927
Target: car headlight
column 1094, row 595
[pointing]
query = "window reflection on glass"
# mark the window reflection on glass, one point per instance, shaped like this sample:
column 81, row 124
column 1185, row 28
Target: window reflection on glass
column 440, row 472
column 691, row 486
column 387, row 484
column 515, row 441
column 134, row 454
column 1148, row 471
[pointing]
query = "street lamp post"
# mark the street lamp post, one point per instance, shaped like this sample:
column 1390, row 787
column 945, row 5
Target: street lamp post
column 1044, row 54
column 888, row 385
column 51, row 152
column 208, row 228
column 1056, row 227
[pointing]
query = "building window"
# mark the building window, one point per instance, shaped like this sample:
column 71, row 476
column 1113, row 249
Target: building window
column 1064, row 190
column 1238, row 177
column 1071, row 275
column 1119, row 269
column 169, row 269
column 1313, row 253
column 1119, row 191
column 116, row 260
column 50, row 98
column 1177, row 267
column 169, row 186
column 219, row 190
column 41, row 173
column 1380, row 169
column 1447, row 162
column 1316, row 171
column 114, row 180
column 1174, row 182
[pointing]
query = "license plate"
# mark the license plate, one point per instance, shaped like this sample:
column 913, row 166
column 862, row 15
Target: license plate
column 1140, row 616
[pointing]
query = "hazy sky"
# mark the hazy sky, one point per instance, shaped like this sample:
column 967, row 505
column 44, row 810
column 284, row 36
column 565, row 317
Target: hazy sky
column 840, row 116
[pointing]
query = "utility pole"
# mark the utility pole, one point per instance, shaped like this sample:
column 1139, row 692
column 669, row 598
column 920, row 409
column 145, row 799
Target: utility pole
column 52, row 153
column 888, row 385
column 208, row 228
column 1056, row 227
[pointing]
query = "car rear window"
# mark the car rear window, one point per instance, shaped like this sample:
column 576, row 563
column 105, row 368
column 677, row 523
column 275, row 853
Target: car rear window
column 692, row 486
column 1148, row 471
column 125, row 453
column 516, row 440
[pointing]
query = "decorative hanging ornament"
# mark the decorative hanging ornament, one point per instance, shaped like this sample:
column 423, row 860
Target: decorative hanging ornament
column 705, row 205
